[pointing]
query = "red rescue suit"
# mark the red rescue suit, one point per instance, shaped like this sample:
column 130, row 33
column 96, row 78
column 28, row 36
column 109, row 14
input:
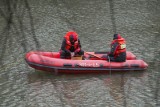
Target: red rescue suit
column 121, row 47
column 68, row 41
column 118, row 49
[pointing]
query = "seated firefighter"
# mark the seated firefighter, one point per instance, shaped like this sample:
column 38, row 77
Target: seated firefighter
column 71, row 45
column 118, row 49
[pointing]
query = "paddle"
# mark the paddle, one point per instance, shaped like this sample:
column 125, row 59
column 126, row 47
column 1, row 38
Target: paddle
column 93, row 55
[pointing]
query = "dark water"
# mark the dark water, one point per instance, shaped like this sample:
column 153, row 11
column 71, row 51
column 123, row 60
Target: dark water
column 27, row 25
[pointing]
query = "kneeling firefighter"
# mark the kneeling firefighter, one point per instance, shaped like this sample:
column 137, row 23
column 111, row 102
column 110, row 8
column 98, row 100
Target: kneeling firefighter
column 118, row 49
column 70, row 45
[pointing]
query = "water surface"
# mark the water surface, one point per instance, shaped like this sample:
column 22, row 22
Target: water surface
column 27, row 25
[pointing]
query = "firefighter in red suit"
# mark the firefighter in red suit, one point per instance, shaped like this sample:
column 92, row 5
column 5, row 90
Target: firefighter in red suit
column 118, row 49
column 71, row 44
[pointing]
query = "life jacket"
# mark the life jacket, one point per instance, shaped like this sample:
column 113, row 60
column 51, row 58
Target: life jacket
column 121, row 46
column 68, row 42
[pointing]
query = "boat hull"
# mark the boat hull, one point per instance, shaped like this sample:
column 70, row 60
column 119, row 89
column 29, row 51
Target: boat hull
column 50, row 61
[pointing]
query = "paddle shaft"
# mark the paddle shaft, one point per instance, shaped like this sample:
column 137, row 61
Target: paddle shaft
column 93, row 55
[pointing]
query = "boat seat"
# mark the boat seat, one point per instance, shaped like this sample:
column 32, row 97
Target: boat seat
column 76, row 58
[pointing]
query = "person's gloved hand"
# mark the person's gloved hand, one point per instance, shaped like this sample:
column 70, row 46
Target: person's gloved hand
column 72, row 54
column 68, row 51
column 110, row 54
column 77, row 50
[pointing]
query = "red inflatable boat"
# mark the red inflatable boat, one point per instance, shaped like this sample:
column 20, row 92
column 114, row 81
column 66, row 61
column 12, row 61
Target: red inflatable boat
column 93, row 62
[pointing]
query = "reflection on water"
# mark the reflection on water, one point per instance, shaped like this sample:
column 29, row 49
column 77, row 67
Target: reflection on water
column 82, row 90
column 30, row 25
